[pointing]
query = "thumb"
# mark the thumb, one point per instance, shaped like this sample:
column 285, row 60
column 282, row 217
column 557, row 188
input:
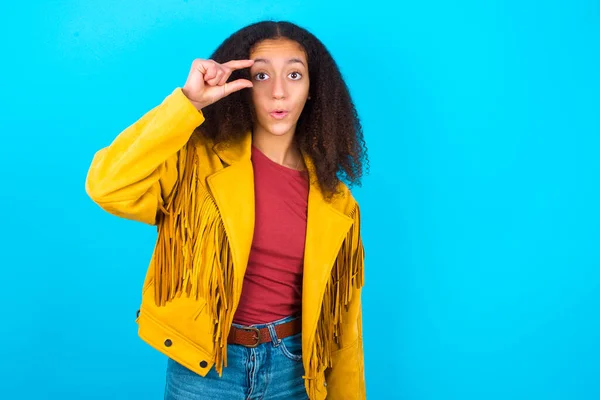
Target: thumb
column 230, row 87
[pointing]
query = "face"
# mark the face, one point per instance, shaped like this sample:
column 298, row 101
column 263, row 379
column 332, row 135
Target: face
column 280, row 78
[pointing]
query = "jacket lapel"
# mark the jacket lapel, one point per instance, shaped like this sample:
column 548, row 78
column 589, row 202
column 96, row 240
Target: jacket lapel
column 233, row 191
column 326, row 230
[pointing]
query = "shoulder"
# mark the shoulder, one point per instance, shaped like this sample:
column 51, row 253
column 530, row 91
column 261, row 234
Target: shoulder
column 203, row 147
column 344, row 201
column 200, row 140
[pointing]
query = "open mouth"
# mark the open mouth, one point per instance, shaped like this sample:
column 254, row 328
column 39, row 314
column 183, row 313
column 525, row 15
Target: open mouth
column 278, row 114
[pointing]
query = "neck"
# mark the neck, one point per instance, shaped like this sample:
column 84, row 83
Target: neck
column 280, row 149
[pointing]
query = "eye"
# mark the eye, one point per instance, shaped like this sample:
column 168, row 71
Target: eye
column 295, row 75
column 261, row 76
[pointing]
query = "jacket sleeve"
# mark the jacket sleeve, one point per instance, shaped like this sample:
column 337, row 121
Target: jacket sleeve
column 136, row 173
column 345, row 379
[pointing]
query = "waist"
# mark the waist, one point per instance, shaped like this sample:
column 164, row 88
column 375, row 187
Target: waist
column 254, row 335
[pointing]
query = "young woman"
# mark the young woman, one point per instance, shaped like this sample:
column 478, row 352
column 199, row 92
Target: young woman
column 254, row 286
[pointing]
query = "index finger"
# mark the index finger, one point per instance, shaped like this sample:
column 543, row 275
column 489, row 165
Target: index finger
column 239, row 64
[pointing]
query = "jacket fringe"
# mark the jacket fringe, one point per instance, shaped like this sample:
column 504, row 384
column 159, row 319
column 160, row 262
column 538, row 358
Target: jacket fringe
column 193, row 250
column 346, row 274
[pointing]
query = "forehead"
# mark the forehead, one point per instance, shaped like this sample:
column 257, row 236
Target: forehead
column 274, row 49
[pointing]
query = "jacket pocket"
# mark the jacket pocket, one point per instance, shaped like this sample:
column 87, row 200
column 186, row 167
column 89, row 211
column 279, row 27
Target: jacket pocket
column 147, row 285
column 199, row 311
column 189, row 317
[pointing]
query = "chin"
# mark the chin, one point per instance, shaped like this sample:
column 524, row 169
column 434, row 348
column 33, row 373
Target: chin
column 280, row 130
column 280, row 133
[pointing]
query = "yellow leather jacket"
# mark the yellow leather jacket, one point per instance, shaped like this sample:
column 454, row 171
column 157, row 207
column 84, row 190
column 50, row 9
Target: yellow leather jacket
column 201, row 198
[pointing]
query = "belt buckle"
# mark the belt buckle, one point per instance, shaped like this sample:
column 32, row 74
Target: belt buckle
column 257, row 337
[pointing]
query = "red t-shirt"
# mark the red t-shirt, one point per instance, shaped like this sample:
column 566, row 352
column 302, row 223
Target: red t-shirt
column 273, row 282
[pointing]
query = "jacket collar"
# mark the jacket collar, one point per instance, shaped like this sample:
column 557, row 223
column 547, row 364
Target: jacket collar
column 241, row 151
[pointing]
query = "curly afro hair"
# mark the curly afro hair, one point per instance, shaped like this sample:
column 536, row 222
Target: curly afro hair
column 328, row 129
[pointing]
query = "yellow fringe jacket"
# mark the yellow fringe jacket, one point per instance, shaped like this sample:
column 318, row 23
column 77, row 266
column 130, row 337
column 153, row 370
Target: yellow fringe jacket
column 201, row 198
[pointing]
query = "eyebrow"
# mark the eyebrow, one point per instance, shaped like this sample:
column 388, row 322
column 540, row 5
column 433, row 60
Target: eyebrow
column 290, row 61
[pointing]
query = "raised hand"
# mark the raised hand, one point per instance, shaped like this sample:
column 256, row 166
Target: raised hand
column 207, row 81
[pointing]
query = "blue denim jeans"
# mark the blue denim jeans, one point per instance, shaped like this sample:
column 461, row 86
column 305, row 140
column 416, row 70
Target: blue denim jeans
column 272, row 370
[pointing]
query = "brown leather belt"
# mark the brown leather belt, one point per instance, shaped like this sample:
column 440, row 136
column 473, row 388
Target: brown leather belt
column 251, row 336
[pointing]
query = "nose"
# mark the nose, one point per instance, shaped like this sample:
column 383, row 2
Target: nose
column 278, row 90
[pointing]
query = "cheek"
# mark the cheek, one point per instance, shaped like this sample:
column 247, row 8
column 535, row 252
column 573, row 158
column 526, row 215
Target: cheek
column 259, row 94
column 256, row 99
column 304, row 91
column 302, row 96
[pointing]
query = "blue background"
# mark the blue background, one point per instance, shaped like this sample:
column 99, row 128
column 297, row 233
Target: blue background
column 481, row 216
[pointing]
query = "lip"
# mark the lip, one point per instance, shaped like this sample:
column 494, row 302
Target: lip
column 279, row 114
